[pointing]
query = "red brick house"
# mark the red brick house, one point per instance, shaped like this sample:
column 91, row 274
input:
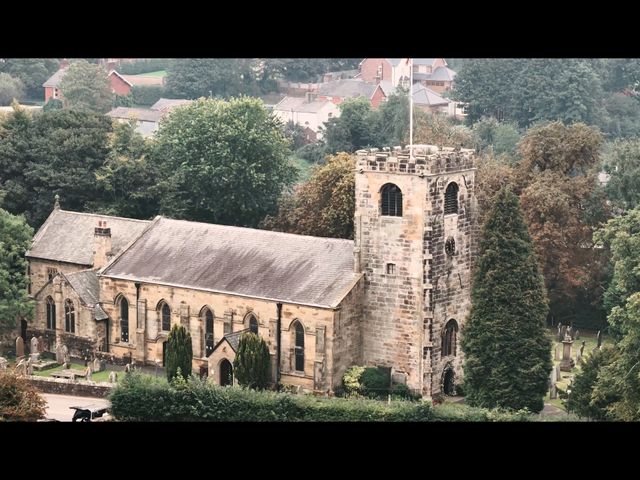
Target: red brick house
column 433, row 73
column 119, row 85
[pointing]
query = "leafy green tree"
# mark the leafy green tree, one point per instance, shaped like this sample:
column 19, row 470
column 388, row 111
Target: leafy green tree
column 393, row 120
column 32, row 71
column 15, row 240
column 507, row 353
column 439, row 130
column 304, row 69
column 295, row 133
column 323, row 206
column 223, row 162
column 10, row 89
column 353, row 129
column 203, row 77
column 19, row 400
column 622, row 163
column 85, row 87
column 52, row 104
column 179, row 352
column 252, row 362
column 622, row 118
column 502, row 137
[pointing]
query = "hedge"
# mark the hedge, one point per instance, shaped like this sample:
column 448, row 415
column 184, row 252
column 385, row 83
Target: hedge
column 147, row 95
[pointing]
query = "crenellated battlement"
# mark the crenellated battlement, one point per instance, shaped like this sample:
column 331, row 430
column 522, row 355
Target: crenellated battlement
column 427, row 160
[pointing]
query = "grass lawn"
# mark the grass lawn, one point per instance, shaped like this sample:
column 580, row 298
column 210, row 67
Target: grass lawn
column 95, row 377
column 157, row 73
column 305, row 168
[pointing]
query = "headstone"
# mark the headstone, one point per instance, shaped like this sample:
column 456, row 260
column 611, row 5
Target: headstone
column 3, row 363
column 59, row 356
column 65, row 354
column 578, row 356
column 558, row 374
column 564, row 333
column 599, row 338
column 66, row 366
column 34, row 345
column 96, row 365
column 87, row 373
column 19, row 347
column 113, row 377
column 127, row 368
column 103, row 365
column 21, row 367
column 552, row 376
column 577, row 335
column 29, row 366
column 40, row 345
column 559, row 332
column 553, row 393
column 569, row 333
column 557, row 353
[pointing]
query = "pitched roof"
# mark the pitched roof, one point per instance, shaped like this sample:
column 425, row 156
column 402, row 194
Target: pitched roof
column 387, row 87
column 443, row 74
column 166, row 104
column 298, row 104
column 68, row 236
column 99, row 313
column 86, row 285
column 424, row 61
column 143, row 81
column 347, row 88
column 142, row 114
column 232, row 338
column 394, row 61
column 242, row 261
column 54, row 80
column 113, row 72
column 425, row 96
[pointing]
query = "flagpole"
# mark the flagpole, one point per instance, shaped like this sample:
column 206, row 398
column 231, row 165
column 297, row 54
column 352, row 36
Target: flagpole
column 411, row 108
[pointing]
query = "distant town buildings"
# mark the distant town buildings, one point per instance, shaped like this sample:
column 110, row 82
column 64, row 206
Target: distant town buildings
column 147, row 119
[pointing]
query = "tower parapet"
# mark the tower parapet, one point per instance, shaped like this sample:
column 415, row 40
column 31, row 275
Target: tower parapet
column 427, row 160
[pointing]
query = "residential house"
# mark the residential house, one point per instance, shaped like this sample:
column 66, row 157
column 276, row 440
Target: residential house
column 119, row 84
column 147, row 119
column 340, row 90
column 307, row 112
column 433, row 73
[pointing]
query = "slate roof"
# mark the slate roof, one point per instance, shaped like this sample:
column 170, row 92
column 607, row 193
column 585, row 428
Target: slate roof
column 298, row 104
column 68, row 236
column 166, row 104
column 86, row 285
column 232, row 338
column 54, row 80
column 141, row 114
column 242, row 261
column 142, row 80
column 424, row 61
column 425, row 96
column 443, row 74
column 347, row 88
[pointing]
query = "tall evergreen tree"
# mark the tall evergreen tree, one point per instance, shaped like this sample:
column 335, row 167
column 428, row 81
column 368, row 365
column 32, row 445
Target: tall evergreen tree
column 508, row 356
column 179, row 352
column 251, row 365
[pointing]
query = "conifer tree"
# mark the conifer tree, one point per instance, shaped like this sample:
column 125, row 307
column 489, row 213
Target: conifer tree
column 251, row 365
column 508, row 357
column 179, row 352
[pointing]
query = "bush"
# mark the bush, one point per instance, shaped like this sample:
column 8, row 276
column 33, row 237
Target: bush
column 52, row 104
column 251, row 365
column 179, row 352
column 19, row 401
column 123, row 101
column 147, row 95
column 313, row 153
column 371, row 382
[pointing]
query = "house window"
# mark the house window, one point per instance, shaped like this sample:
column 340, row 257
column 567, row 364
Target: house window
column 449, row 338
column 124, row 320
column 51, row 314
column 253, row 324
column 69, row 316
column 391, row 200
column 451, row 199
column 208, row 331
column 299, row 346
column 391, row 268
column 51, row 272
column 165, row 313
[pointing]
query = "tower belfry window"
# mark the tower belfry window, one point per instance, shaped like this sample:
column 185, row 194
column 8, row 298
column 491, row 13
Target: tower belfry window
column 391, row 200
column 451, row 199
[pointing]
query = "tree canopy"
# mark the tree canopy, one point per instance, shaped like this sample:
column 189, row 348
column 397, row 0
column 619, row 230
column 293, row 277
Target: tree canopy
column 85, row 87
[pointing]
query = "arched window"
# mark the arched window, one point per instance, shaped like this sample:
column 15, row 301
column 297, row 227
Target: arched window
column 207, row 315
column 451, row 199
column 69, row 316
column 391, row 200
column 165, row 314
column 449, row 338
column 253, row 323
column 51, row 314
column 124, row 319
column 299, row 346
column 226, row 373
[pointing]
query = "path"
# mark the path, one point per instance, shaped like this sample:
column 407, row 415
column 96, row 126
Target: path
column 58, row 405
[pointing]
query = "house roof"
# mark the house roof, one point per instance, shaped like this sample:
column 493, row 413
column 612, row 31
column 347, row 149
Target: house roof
column 68, row 236
column 347, row 88
column 142, row 114
column 166, row 104
column 443, row 74
column 395, row 61
column 142, row 80
column 387, row 87
column 86, row 285
column 113, row 72
column 424, row 61
column 425, row 96
column 99, row 313
column 232, row 338
column 298, row 104
column 54, row 80
column 241, row 261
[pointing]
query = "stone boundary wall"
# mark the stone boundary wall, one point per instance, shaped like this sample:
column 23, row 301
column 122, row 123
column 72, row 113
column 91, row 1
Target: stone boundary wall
column 63, row 386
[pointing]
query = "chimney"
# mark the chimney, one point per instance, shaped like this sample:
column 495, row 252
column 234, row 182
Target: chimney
column 101, row 245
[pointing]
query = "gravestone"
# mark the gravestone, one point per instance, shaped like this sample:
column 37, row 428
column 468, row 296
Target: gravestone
column 29, row 366
column 553, row 393
column 33, row 350
column 566, row 364
column 65, row 366
column 19, row 347
column 97, row 367
column 21, row 367
column 578, row 356
column 564, row 333
column 113, row 377
column 556, row 355
column 3, row 363
column 40, row 345
column 599, row 338
column 59, row 356
column 558, row 374
column 559, row 332
column 87, row 373
column 577, row 335
column 65, row 354
column 552, row 376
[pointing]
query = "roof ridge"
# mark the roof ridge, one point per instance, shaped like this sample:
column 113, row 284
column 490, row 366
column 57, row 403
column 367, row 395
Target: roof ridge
column 118, row 256
column 103, row 215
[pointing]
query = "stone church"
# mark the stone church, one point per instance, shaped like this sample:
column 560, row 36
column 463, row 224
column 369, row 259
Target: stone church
column 394, row 297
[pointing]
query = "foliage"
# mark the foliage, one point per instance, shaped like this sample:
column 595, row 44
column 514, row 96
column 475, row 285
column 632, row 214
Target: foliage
column 393, row 120
column 502, row 137
column 492, row 174
column 147, row 95
column 123, row 101
column 203, row 77
column 252, row 362
column 304, row 69
column 313, row 153
column 439, row 130
column 581, row 400
column 222, row 162
column 15, row 240
column 623, row 116
column 323, row 206
column 56, row 152
column 504, row 339
column 85, row 87
column 10, row 89
column 143, row 65
column 353, row 129
column 179, row 352
column 622, row 163
column 19, row 401
column 52, row 104
column 295, row 133
column 33, row 72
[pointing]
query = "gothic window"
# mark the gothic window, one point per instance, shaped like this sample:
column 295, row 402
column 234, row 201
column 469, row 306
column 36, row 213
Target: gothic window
column 51, row 272
column 451, row 199
column 299, row 346
column 69, row 316
column 391, row 200
column 124, row 319
column 253, row 324
column 208, row 331
column 165, row 314
column 51, row 314
column 449, row 338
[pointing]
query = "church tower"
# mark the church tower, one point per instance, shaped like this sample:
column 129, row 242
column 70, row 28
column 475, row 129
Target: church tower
column 415, row 242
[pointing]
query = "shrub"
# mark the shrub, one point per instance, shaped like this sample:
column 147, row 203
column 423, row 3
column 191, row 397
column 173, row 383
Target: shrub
column 179, row 352
column 251, row 365
column 147, row 95
column 313, row 153
column 52, row 104
column 19, row 401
